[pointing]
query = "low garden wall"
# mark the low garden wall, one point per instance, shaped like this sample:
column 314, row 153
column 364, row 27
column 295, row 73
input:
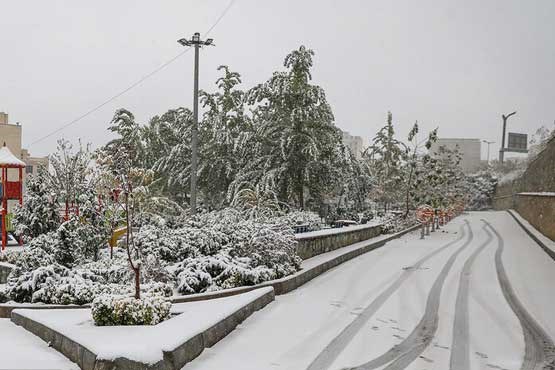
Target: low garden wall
column 313, row 243
column 5, row 269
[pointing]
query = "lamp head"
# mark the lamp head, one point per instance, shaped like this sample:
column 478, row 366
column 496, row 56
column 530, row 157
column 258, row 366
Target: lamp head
column 184, row 42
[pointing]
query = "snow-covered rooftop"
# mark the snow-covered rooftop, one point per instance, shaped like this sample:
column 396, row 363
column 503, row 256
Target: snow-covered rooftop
column 8, row 159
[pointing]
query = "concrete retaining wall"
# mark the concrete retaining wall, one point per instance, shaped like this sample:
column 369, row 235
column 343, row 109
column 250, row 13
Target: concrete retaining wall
column 313, row 243
column 174, row 359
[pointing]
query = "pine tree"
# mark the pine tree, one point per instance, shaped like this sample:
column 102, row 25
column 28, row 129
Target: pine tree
column 294, row 144
column 386, row 156
column 40, row 211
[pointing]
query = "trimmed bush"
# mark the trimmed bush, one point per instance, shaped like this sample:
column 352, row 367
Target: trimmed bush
column 111, row 310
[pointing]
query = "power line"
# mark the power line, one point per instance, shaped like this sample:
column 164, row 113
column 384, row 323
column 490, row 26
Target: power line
column 133, row 85
column 220, row 17
column 61, row 128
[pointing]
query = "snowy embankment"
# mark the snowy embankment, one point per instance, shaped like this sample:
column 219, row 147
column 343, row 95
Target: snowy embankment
column 179, row 336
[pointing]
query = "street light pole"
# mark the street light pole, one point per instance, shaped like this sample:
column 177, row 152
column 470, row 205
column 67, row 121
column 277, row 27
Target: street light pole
column 489, row 143
column 502, row 150
column 197, row 43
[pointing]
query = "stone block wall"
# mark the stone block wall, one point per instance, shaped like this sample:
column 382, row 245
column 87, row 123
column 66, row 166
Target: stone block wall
column 313, row 244
column 539, row 211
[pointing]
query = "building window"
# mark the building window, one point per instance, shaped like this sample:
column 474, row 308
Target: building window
column 29, row 169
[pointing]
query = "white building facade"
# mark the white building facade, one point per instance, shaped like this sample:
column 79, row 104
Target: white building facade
column 355, row 143
column 470, row 149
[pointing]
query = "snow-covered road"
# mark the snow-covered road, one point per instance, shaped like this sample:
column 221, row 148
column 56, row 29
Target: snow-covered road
column 22, row 350
column 476, row 295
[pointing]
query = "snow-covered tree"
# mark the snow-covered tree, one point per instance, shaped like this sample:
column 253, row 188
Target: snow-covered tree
column 40, row 211
column 167, row 140
column 386, row 155
column 413, row 160
column 225, row 129
column 295, row 144
column 70, row 175
column 439, row 179
column 123, row 158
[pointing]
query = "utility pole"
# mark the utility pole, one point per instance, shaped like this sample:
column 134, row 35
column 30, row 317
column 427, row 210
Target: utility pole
column 502, row 150
column 489, row 143
column 197, row 43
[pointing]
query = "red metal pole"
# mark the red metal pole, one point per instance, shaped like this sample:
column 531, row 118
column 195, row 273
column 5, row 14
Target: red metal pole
column 20, row 197
column 4, row 206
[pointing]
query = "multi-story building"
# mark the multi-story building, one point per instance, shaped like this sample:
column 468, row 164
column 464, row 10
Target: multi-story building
column 470, row 150
column 10, row 135
column 353, row 142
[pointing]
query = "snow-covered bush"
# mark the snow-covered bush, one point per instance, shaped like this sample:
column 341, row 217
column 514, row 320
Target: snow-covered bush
column 221, row 271
column 255, row 253
column 36, row 254
column 9, row 256
column 393, row 223
column 108, row 310
column 479, row 189
column 294, row 218
column 218, row 250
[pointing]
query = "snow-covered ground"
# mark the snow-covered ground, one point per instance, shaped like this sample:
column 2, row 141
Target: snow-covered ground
column 20, row 349
column 396, row 308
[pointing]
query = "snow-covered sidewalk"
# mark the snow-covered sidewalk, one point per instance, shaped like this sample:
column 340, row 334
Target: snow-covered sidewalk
column 20, row 349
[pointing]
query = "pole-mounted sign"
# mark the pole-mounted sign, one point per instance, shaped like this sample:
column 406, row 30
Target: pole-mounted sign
column 517, row 143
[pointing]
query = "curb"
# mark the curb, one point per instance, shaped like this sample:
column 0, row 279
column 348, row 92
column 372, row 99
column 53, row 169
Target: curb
column 545, row 248
column 174, row 359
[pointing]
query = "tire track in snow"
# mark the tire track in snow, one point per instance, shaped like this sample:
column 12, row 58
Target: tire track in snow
column 404, row 353
column 539, row 349
column 326, row 357
column 460, row 352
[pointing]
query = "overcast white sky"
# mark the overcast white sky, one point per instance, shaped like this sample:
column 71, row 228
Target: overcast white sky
column 453, row 64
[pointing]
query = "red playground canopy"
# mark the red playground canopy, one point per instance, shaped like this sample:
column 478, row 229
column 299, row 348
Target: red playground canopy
column 9, row 190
